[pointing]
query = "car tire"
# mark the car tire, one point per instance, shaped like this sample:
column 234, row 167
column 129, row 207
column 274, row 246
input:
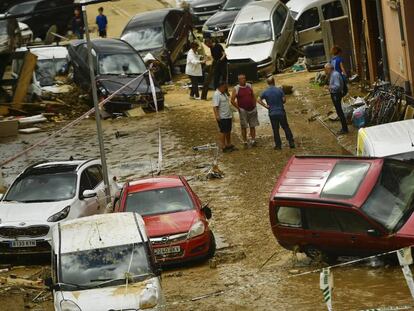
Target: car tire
column 279, row 65
column 319, row 256
column 213, row 246
column 151, row 106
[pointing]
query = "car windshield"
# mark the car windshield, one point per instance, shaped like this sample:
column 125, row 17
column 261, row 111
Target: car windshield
column 22, row 8
column 48, row 69
column 235, row 5
column 43, row 188
column 159, row 201
column 251, row 33
column 145, row 38
column 391, row 201
column 118, row 64
column 104, row 267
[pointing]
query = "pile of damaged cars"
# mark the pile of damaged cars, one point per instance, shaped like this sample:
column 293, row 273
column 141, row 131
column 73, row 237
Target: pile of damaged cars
column 333, row 206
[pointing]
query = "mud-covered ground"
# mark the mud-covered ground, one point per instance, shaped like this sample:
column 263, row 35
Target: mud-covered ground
column 239, row 203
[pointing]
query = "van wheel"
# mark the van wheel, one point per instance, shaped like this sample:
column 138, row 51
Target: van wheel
column 319, row 256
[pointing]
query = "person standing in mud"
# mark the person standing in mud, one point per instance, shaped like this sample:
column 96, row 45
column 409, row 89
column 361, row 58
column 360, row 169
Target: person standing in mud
column 78, row 26
column 194, row 69
column 223, row 115
column 336, row 87
column 275, row 100
column 102, row 22
column 218, row 70
column 337, row 62
column 244, row 100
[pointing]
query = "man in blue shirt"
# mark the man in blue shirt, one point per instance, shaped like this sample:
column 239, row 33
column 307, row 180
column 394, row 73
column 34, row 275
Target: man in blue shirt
column 336, row 88
column 274, row 101
column 102, row 23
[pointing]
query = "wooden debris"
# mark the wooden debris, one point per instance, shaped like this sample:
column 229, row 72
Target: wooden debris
column 19, row 282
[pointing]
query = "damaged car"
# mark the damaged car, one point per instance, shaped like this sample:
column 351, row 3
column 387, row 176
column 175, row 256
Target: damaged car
column 259, row 39
column 116, row 64
column 52, row 63
column 45, row 194
column 343, row 206
column 175, row 218
column 104, row 262
column 162, row 33
column 202, row 10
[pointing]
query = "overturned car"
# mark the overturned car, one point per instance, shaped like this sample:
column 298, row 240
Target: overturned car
column 117, row 65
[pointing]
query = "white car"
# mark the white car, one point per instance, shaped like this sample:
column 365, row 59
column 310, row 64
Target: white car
column 261, row 35
column 45, row 194
column 104, row 262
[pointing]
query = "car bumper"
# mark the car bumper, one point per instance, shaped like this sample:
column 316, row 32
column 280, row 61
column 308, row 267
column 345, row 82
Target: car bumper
column 121, row 106
column 191, row 249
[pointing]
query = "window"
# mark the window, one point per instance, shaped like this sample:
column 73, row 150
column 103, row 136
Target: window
column 289, row 216
column 308, row 19
column 321, row 219
column 332, row 10
column 279, row 18
column 345, row 179
column 95, row 175
column 85, row 184
column 351, row 222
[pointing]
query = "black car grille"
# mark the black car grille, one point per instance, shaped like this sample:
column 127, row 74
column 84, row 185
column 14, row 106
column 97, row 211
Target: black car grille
column 206, row 9
column 32, row 231
column 218, row 28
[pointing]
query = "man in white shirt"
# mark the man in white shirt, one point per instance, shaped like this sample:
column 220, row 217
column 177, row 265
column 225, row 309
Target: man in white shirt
column 223, row 114
column 194, row 69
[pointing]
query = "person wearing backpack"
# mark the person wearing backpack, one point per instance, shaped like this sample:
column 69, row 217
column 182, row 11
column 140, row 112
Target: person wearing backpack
column 245, row 102
column 337, row 62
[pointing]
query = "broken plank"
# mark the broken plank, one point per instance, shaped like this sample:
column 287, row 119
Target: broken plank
column 24, row 80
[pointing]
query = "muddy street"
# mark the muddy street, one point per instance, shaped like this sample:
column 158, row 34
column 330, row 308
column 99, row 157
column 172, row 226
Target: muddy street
column 239, row 203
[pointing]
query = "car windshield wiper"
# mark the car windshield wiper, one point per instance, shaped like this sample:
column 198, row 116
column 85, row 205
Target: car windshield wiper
column 129, row 277
column 76, row 286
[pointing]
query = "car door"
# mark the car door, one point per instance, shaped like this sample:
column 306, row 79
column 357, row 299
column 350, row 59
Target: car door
column 173, row 26
column 95, row 176
column 332, row 9
column 83, row 67
column 87, row 206
column 323, row 231
column 308, row 27
column 355, row 234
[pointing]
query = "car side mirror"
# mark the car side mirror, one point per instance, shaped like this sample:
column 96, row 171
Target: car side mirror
column 207, row 211
column 374, row 233
column 87, row 194
column 49, row 283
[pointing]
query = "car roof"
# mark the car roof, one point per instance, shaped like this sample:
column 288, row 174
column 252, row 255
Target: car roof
column 301, row 5
column 59, row 166
column 256, row 11
column 150, row 18
column 153, row 183
column 99, row 231
column 305, row 177
column 46, row 51
column 107, row 45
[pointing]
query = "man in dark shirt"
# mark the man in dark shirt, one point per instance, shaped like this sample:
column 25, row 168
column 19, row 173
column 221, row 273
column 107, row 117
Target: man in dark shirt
column 102, row 23
column 275, row 99
column 218, row 71
column 78, row 27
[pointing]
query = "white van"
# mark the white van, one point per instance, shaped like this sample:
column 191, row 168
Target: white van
column 261, row 34
column 396, row 138
column 104, row 262
column 310, row 13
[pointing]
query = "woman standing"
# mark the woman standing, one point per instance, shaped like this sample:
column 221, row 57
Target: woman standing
column 194, row 70
column 337, row 62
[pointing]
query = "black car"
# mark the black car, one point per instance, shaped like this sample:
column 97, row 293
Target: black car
column 116, row 64
column 163, row 33
column 203, row 9
column 43, row 16
column 218, row 26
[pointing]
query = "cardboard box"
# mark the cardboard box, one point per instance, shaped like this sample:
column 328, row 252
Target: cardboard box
column 9, row 128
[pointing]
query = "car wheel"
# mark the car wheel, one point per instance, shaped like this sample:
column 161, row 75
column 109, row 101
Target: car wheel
column 151, row 106
column 279, row 65
column 319, row 256
column 212, row 249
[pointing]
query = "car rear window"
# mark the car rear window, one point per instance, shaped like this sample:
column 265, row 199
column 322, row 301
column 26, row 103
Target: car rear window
column 345, row 179
column 289, row 216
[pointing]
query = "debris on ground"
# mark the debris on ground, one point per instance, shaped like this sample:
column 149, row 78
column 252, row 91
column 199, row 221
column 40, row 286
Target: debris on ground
column 300, row 65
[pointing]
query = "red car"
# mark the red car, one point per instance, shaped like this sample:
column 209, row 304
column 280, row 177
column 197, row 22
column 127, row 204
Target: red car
column 333, row 206
column 174, row 216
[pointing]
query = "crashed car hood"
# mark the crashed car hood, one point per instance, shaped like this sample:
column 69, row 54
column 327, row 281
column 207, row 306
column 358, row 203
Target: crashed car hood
column 109, row 298
column 202, row 3
column 11, row 212
column 222, row 18
column 113, row 83
column 167, row 224
column 256, row 52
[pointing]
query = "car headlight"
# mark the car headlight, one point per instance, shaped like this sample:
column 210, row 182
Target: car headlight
column 59, row 215
column 196, row 229
column 148, row 298
column 205, row 28
column 69, row 305
column 103, row 91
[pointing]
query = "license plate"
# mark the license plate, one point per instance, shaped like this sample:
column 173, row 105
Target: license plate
column 23, row 244
column 217, row 34
column 167, row 250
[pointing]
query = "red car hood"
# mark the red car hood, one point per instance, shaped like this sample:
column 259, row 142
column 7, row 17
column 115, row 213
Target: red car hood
column 172, row 223
column 408, row 228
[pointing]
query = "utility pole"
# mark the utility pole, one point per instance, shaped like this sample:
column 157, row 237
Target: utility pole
column 96, row 105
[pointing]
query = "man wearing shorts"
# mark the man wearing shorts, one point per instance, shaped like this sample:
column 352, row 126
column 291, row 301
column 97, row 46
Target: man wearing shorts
column 244, row 100
column 223, row 114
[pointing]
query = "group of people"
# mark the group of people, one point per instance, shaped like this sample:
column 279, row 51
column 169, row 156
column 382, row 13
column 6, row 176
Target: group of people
column 78, row 24
column 243, row 98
